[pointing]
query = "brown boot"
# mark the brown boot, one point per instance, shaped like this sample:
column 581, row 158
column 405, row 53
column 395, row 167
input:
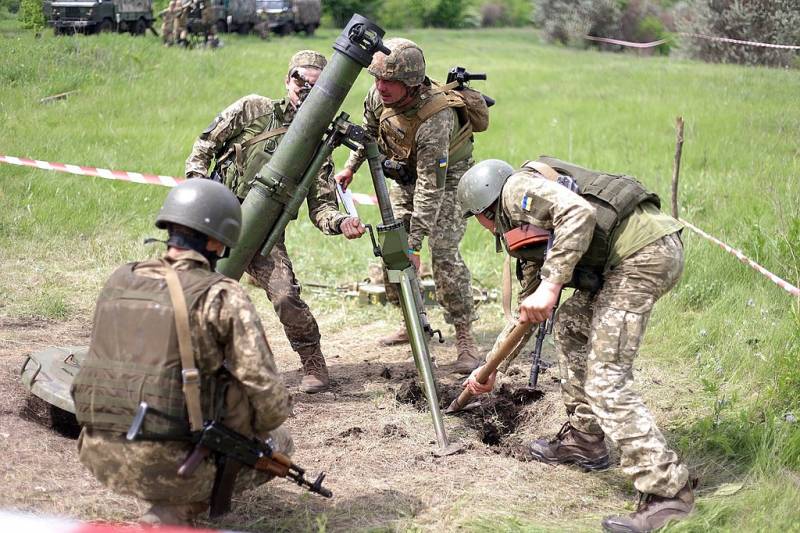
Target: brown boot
column 315, row 373
column 468, row 358
column 571, row 446
column 173, row 515
column 653, row 512
column 398, row 337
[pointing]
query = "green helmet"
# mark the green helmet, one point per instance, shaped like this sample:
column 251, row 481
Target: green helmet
column 481, row 185
column 205, row 206
column 406, row 63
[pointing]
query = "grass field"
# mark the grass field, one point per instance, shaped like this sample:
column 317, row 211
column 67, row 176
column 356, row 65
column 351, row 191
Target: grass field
column 728, row 333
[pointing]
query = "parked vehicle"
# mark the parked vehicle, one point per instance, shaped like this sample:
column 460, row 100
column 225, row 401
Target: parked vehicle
column 286, row 16
column 93, row 16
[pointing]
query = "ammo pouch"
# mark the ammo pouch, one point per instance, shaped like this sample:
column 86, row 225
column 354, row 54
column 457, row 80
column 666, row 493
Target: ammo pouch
column 399, row 172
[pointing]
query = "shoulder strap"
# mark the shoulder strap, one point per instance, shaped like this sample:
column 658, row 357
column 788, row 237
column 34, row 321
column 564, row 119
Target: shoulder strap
column 189, row 373
column 542, row 168
column 263, row 136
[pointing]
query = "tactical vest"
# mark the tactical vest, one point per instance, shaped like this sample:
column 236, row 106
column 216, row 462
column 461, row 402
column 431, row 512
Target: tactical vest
column 398, row 129
column 241, row 158
column 134, row 355
column 614, row 198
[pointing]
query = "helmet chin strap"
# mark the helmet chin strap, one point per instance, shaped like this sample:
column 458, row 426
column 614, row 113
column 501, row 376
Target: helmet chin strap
column 196, row 242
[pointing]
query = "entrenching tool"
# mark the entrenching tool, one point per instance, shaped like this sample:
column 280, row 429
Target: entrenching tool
column 493, row 360
column 282, row 184
column 391, row 248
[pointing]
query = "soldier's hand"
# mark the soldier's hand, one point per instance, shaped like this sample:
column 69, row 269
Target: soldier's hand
column 352, row 228
column 344, row 177
column 475, row 388
column 537, row 307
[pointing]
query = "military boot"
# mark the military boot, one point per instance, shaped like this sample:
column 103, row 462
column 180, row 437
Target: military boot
column 315, row 373
column 653, row 512
column 571, row 446
column 173, row 515
column 398, row 337
column 468, row 358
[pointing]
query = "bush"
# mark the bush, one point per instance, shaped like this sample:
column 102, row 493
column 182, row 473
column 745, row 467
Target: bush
column 395, row 14
column 31, row 15
column 341, row 11
column 506, row 13
column 766, row 21
column 569, row 21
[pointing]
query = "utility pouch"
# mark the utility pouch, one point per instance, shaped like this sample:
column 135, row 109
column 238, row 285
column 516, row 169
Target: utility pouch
column 525, row 236
column 399, row 172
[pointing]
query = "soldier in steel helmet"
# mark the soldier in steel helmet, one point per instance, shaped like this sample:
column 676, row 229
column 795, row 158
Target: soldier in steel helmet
column 613, row 245
column 136, row 356
column 240, row 140
column 428, row 146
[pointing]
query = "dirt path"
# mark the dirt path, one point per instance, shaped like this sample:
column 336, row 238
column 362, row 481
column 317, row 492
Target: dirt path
column 372, row 435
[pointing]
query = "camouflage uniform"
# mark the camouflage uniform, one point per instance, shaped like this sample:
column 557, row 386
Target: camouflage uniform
column 273, row 273
column 226, row 332
column 429, row 206
column 180, row 22
column 167, row 23
column 598, row 335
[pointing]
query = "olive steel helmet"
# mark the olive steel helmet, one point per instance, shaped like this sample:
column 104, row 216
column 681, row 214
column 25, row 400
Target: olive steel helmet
column 205, row 206
column 481, row 185
column 405, row 63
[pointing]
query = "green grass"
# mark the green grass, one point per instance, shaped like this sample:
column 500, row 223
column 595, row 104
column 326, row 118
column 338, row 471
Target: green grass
column 138, row 106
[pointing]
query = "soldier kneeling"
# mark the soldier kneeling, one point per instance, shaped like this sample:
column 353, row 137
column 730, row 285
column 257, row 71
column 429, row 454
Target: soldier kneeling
column 187, row 341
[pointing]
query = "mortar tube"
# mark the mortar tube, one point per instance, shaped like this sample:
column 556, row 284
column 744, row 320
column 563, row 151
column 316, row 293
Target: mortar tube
column 379, row 183
column 264, row 203
column 419, row 349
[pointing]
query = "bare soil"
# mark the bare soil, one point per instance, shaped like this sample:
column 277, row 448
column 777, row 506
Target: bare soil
column 372, row 435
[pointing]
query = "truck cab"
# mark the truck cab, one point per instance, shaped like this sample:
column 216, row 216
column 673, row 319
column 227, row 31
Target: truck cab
column 94, row 16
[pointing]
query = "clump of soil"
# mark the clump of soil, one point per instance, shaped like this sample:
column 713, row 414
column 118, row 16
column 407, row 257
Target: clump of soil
column 386, row 373
column 410, row 392
column 394, row 431
column 40, row 412
column 352, row 432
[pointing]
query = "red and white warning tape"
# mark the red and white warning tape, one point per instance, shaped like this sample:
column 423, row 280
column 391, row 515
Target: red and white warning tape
column 122, row 175
column 17, row 522
column 739, row 41
column 625, row 43
column 692, row 35
column 780, row 282
column 360, row 198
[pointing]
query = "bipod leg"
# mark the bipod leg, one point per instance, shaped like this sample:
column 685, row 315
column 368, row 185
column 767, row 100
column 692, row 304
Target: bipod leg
column 422, row 359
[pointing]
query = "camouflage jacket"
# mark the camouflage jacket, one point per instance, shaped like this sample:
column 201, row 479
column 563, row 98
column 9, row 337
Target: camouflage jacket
column 226, row 333
column 571, row 218
column 232, row 125
column 430, row 158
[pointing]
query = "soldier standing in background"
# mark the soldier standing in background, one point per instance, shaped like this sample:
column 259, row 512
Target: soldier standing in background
column 136, row 356
column 611, row 242
column 428, row 146
column 167, row 23
column 180, row 24
column 241, row 139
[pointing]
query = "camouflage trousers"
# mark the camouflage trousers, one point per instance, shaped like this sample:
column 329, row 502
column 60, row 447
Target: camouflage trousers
column 450, row 273
column 274, row 274
column 597, row 338
column 148, row 469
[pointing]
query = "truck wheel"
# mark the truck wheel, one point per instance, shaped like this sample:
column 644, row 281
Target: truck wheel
column 287, row 29
column 105, row 26
column 244, row 28
column 310, row 29
column 140, row 27
column 221, row 26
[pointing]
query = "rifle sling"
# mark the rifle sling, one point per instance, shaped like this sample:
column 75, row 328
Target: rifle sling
column 189, row 373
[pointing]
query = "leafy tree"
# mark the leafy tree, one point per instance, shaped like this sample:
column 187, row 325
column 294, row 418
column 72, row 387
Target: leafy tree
column 31, row 14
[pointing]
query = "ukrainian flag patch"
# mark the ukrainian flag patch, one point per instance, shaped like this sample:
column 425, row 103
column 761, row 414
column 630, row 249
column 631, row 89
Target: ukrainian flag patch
column 443, row 162
column 527, row 203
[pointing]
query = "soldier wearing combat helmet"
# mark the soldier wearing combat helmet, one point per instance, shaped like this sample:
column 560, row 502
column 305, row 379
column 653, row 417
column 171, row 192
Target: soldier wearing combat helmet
column 138, row 353
column 612, row 244
column 240, row 140
column 428, row 146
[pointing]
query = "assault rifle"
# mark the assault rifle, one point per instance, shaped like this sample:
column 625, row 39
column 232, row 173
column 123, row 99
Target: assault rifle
column 232, row 450
column 462, row 78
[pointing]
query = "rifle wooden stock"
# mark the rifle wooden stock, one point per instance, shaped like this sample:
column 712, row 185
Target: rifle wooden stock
column 493, row 360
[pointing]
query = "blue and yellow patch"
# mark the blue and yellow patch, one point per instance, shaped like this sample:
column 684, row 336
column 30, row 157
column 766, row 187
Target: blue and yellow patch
column 527, row 203
column 443, row 162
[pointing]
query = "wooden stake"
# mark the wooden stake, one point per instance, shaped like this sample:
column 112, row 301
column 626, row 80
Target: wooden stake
column 676, row 169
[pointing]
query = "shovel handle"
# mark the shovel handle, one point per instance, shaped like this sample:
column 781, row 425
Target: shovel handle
column 493, row 360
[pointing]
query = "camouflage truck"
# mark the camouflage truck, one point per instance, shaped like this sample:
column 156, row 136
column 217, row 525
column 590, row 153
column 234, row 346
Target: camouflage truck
column 286, row 16
column 94, row 16
column 229, row 15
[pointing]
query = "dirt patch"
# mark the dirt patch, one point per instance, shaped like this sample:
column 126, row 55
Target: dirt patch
column 49, row 416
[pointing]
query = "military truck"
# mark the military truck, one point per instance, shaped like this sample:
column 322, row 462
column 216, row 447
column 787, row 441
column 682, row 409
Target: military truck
column 229, row 15
column 94, row 16
column 287, row 16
